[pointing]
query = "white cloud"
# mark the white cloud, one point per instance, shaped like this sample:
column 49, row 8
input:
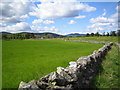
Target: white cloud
column 79, row 17
column 48, row 22
column 24, row 16
column 88, row 8
column 104, row 23
column 114, row 18
column 2, row 25
column 12, row 10
column 117, row 8
column 72, row 22
column 45, row 28
column 39, row 21
column 96, row 27
column 102, row 19
column 104, row 13
column 51, row 9
column 22, row 26
column 13, row 19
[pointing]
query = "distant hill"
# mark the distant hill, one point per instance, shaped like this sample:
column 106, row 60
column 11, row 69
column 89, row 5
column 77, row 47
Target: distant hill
column 75, row 34
column 5, row 33
column 25, row 32
column 46, row 33
column 52, row 34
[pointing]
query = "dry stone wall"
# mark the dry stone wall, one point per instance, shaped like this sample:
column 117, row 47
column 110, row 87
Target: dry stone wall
column 77, row 75
column 89, row 41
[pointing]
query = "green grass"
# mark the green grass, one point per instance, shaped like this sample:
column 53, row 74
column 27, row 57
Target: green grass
column 95, row 38
column 109, row 76
column 0, row 64
column 25, row 60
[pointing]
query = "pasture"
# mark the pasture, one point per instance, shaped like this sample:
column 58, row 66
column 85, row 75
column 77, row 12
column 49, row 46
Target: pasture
column 25, row 60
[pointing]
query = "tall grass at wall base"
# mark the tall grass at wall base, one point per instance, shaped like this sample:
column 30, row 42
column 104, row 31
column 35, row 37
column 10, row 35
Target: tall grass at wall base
column 109, row 76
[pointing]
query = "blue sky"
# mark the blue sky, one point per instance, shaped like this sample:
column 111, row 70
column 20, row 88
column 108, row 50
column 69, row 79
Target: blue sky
column 58, row 16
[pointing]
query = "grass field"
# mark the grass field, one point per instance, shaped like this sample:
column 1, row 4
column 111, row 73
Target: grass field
column 109, row 76
column 95, row 38
column 24, row 60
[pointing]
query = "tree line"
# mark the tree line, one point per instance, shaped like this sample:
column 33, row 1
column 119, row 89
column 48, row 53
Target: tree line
column 22, row 36
column 112, row 33
column 18, row 36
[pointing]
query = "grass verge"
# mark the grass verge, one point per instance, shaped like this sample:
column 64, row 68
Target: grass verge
column 109, row 75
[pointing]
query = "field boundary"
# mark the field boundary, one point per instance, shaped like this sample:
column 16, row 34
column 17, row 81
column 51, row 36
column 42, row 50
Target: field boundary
column 77, row 75
column 88, row 41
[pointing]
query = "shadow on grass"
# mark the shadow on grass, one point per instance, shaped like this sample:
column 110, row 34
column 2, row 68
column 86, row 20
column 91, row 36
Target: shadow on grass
column 94, row 82
column 108, row 75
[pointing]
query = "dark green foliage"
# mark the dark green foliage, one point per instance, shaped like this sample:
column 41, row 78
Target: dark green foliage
column 107, row 34
column 78, row 36
column 9, row 36
column 104, row 34
column 118, row 32
column 113, row 33
column 87, row 35
column 92, row 34
column 97, row 34
column 18, row 36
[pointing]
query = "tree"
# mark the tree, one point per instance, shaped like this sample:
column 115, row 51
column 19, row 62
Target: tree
column 4, row 36
column 9, row 36
column 60, row 36
column 107, row 34
column 103, row 33
column 113, row 33
column 38, row 36
column 97, row 34
column 49, row 35
column 92, row 34
column 78, row 36
column 32, row 35
column 69, row 36
column 87, row 35
column 118, row 32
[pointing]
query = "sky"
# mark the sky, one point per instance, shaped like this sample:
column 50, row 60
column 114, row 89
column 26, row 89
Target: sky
column 58, row 16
